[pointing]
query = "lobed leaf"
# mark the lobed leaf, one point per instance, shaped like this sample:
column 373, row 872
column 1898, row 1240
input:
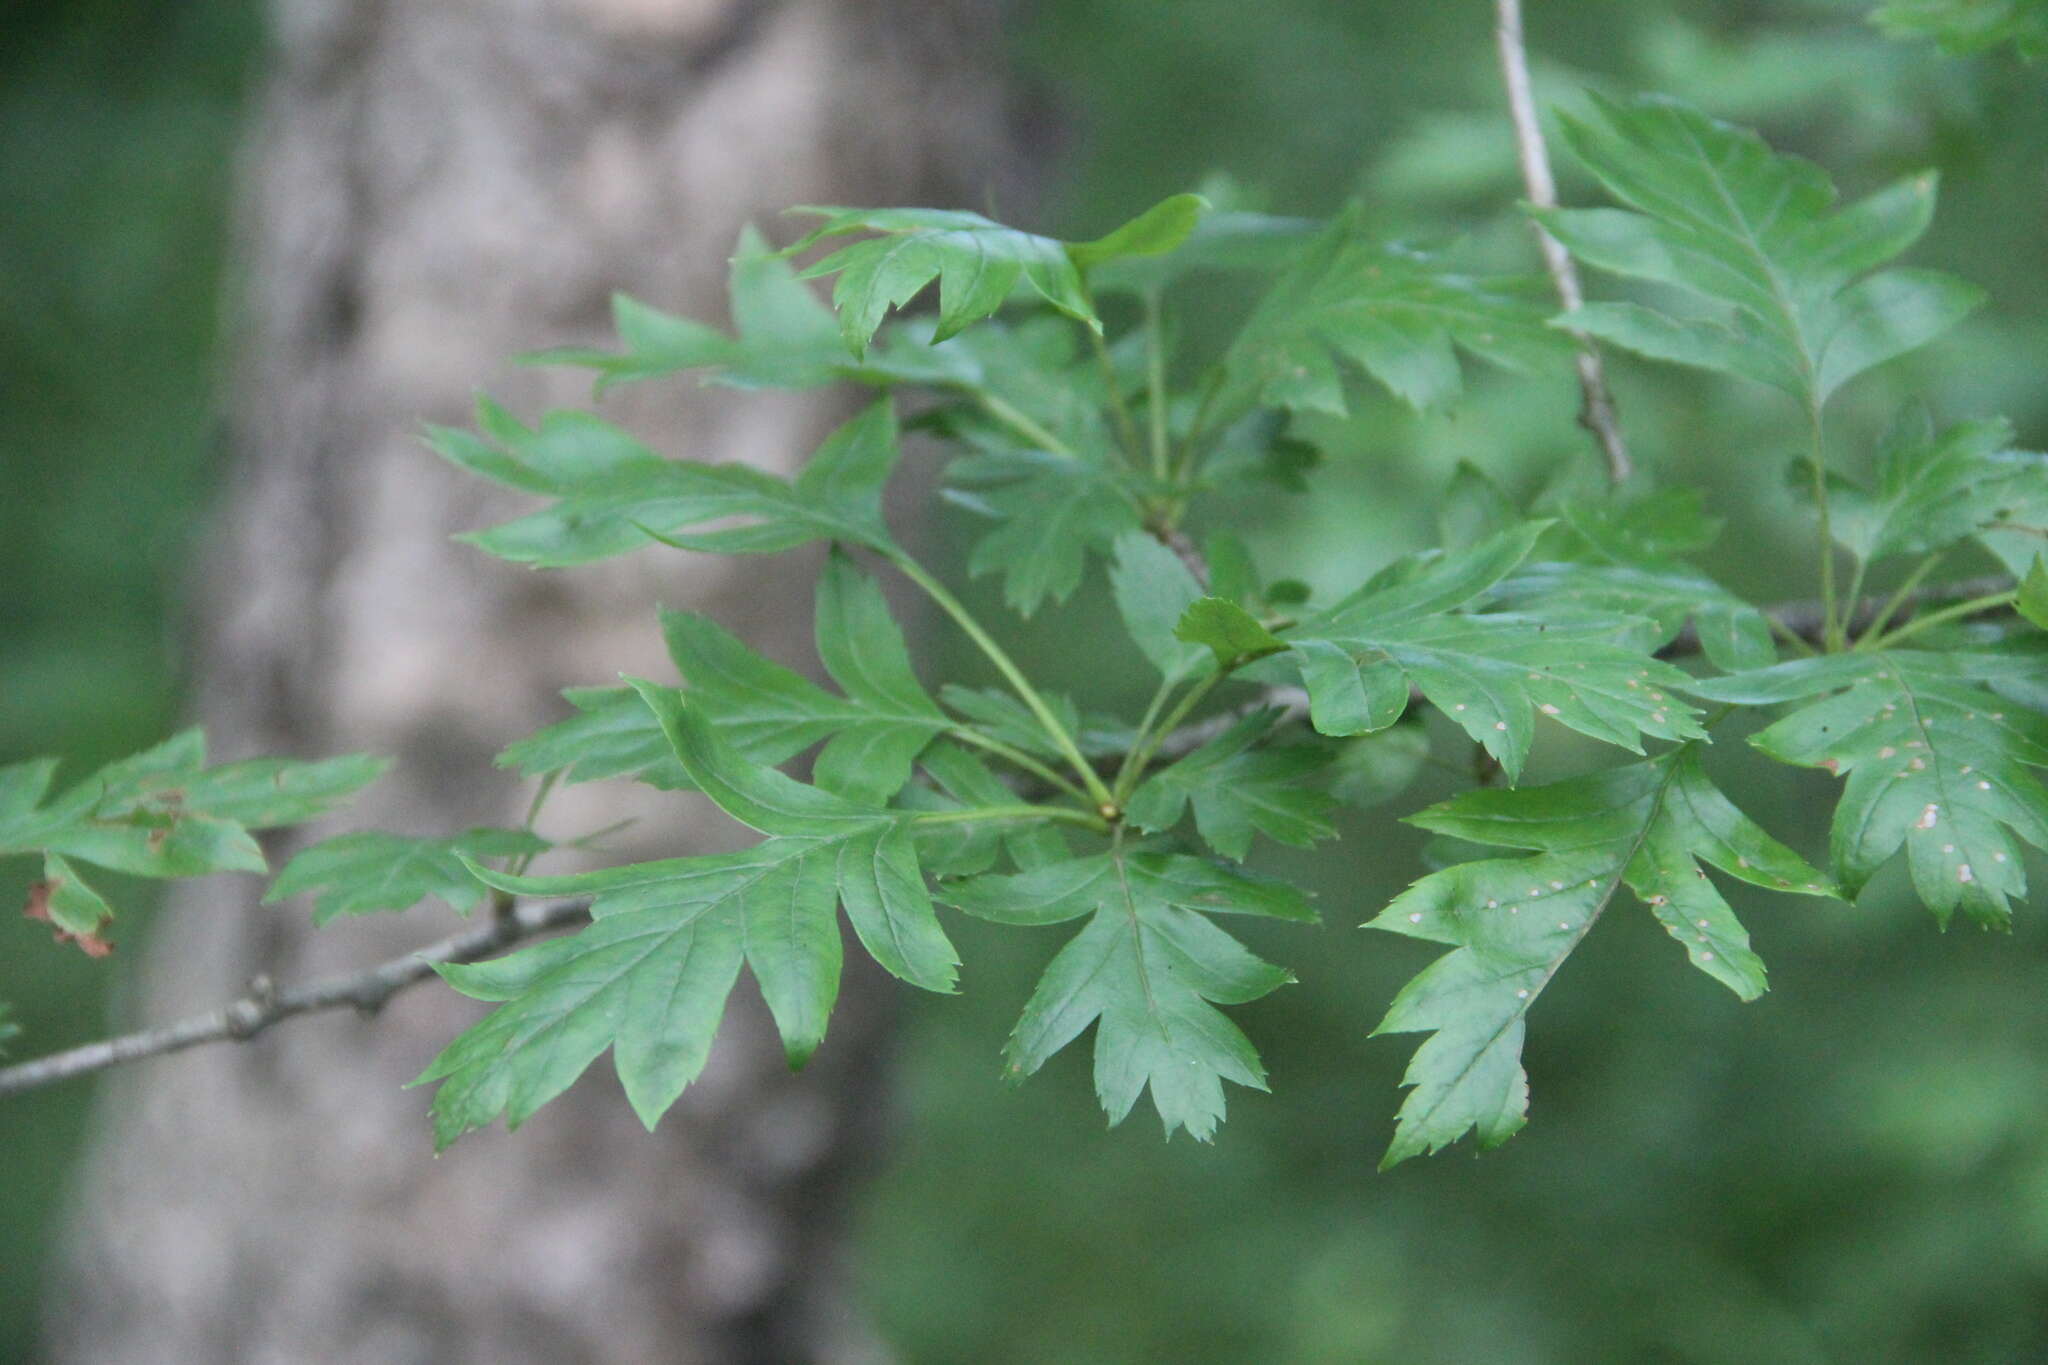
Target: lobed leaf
column 1934, row 760
column 1147, row 970
column 1513, row 922
column 1749, row 234
column 370, row 872
column 1491, row 673
column 613, row 495
column 1398, row 314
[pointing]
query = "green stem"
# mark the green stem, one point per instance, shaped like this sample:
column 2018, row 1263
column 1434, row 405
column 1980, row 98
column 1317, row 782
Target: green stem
column 1989, row 602
column 1875, row 630
column 1022, row 423
column 1017, row 758
column 1126, row 428
column 1148, row 744
column 979, row 814
column 1155, row 387
column 1026, row 693
column 1832, row 632
column 540, row 798
column 1152, row 709
column 1191, row 444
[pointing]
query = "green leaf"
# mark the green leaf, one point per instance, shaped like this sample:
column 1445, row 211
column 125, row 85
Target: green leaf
column 1371, row 770
column 766, row 712
column 650, row 975
column 1155, row 232
column 1749, row 234
column 1930, row 491
column 69, row 904
column 1147, row 970
column 1513, row 922
column 978, row 263
column 163, row 813
column 2033, row 596
column 1934, row 761
column 1490, row 673
column 1964, row 26
column 1238, row 789
column 1227, row 241
column 1226, row 629
column 614, row 495
column 786, row 337
column 1398, row 314
column 371, row 872
column 9, row 1030
column 1732, row 633
column 1153, row 589
column 1053, row 510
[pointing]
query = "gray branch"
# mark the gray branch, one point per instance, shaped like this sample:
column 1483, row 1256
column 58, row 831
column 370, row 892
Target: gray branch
column 364, row 991
column 1596, row 412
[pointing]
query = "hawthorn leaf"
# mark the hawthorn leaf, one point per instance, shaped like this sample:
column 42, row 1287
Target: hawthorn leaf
column 614, row 495
column 1239, row 787
column 1513, row 922
column 1054, row 511
column 1398, row 314
column 1929, row 491
column 1147, row 969
column 1227, row 630
column 1491, row 673
column 1732, row 633
column 1157, row 231
column 1965, row 26
column 1749, row 233
column 1935, row 762
column 785, row 336
column 2032, row 601
column 612, row 734
column 972, row 845
column 164, row 813
column 1153, row 589
column 650, row 975
column 370, row 872
column 977, row 262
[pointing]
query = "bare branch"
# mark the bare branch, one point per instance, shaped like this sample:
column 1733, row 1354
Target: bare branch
column 364, row 991
column 1596, row 412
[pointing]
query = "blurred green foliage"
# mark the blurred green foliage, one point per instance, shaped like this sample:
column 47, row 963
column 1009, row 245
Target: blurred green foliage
column 118, row 121
column 1853, row 1169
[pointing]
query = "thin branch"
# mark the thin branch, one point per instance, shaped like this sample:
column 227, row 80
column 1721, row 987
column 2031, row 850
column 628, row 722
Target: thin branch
column 364, row 991
column 1596, row 411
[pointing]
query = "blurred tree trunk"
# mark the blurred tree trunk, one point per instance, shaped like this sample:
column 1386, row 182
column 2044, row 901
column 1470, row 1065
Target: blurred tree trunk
column 433, row 187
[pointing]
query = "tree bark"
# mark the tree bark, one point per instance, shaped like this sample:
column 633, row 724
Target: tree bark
column 434, row 187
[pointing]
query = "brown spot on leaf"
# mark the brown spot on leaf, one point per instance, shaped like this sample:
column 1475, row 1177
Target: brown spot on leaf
column 94, row 944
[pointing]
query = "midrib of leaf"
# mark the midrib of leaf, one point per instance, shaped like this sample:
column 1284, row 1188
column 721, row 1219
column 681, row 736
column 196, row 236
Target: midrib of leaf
column 1747, row 236
column 1949, row 808
column 1599, row 908
column 1152, row 1011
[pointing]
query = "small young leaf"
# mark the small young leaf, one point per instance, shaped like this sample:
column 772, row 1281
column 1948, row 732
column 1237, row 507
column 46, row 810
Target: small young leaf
column 1228, row 630
column 1155, row 232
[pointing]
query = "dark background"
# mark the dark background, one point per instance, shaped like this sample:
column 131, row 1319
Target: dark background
column 1853, row 1169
